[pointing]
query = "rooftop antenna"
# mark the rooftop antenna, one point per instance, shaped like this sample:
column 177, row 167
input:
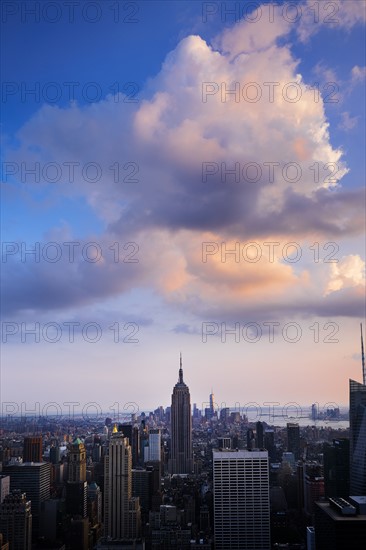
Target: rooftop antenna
column 363, row 359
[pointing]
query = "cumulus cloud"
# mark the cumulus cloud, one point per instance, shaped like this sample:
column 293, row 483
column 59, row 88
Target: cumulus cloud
column 358, row 74
column 348, row 122
column 339, row 14
column 347, row 273
column 231, row 144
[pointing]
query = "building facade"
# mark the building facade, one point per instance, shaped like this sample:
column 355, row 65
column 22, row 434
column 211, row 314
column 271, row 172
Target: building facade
column 16, row 521
column 32, row 449
column 241, row 500
column 121, row 512
column 357, row 423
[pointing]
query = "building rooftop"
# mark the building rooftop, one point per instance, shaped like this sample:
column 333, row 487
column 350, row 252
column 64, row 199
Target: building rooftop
column 235, row 453
column 336, row 516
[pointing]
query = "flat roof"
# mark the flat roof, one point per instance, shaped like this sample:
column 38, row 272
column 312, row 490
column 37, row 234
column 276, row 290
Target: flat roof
column 233, row 453
column 326, row 507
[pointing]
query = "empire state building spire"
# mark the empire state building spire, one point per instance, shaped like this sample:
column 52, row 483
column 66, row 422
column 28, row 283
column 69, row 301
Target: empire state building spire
column 180, row 370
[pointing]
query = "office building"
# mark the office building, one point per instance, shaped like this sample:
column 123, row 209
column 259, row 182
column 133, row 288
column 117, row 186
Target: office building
column 55, row 454
column 259, row 435
column 241, row 500
column 313, row 486
column 32, row 478
column 181, row 459
column 154, row 452
column 269, row 444
column 16, row 521
column 142, row 488
column 293, row 439
column 357, row 422
column 336, row 469
column 119, row 513
column 32, row 449
column 76, row 485
column 338, row 526
column 4, row 487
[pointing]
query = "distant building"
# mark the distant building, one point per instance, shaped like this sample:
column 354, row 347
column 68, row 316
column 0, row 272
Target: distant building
column 55, row 454
column 166, row 530
column 250, row 439
column 293, row 439
column 313, row 485
column 142, row 488
column 4, row 487
column 259, row 435
column 154, row 452
column 269, row 444
column 336, row 469
column 76, row 485
column 224, row 443
column 32, row 449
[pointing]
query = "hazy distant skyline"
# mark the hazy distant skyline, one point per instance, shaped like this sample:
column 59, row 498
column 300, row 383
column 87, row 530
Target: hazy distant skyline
column 183, row 173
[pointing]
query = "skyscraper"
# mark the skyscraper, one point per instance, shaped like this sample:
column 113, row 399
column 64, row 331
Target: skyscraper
column 16, row 521
column 339, row 525
column 357, row 424
column 121, row 515
column 212, row 403
column 77, row 462
column 32, row 449
column 32, row 478
column 181, row 460
column 76, row 485
column 293, row 439
column 336, row 469
column 4, row 487
column 154, row 449
column 241, row 500
column 259, row 435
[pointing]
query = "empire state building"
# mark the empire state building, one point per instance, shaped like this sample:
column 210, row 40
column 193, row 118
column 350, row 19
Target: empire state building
column 181, row 458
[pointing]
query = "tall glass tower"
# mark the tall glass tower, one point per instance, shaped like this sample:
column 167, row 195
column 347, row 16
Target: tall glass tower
column 181, row 458
column 357, row 424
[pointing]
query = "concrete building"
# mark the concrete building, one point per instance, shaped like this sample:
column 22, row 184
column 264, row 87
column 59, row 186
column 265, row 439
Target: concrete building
column 338, row 526
column 119, row 512
column 241, row 500
column 16, row 521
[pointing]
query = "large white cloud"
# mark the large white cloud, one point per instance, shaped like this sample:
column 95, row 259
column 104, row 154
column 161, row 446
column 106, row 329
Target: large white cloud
column 172, row 208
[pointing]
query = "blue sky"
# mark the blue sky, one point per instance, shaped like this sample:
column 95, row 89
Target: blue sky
column 164, row 57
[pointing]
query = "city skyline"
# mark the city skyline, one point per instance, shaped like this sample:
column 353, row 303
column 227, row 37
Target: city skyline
column 196, row 186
